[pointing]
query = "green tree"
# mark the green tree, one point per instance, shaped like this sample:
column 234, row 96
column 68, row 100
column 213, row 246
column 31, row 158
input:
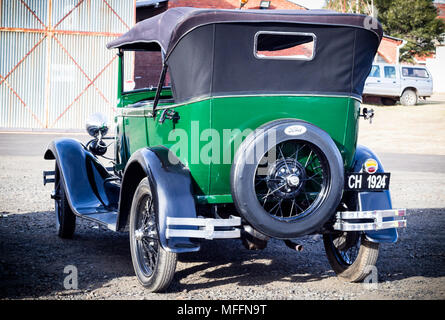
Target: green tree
column 414, row 21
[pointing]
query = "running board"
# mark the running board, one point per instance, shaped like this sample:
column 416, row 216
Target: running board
column 353, row 220
column 203, row 228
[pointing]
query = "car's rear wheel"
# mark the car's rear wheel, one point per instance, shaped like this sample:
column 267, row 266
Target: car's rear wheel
column 409, row 98
column 294, row 186
column 350, row 254
column 65, row 218
column 154, row 266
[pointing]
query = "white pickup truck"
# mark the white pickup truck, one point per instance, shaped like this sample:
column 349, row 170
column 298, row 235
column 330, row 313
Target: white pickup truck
column 398, row 82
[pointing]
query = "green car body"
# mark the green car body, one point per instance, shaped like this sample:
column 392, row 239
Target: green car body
column 229, row 117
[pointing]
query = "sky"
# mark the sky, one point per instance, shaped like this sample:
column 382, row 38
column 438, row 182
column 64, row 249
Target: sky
column 311, row 4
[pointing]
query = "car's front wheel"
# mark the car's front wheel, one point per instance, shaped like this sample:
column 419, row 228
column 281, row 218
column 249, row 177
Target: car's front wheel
column 154, row 266
column 65, row 218
column 351, row 255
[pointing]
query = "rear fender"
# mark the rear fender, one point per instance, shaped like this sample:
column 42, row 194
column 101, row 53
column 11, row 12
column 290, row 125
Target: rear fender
column 171, row 185
column 373, row 200
column 83, row 177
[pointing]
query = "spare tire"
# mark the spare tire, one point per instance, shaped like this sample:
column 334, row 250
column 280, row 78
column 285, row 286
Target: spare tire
column 287, row 178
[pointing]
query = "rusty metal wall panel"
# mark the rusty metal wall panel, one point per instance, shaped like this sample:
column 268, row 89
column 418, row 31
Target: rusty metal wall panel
column 113, row 16
column 21, row 98
column 55, row 69
column 29, row 14
column 77, row 90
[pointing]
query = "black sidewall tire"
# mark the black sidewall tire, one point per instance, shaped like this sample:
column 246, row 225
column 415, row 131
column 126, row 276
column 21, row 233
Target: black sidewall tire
column 164, row 271
column 361, row 267
column 243, row 189
column 65, row 218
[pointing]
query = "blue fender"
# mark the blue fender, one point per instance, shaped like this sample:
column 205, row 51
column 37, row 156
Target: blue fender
column 84, row 178
column 374, row 200
column 171, row 186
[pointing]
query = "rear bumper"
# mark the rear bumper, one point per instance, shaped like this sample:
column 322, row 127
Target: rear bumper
column 370, row 220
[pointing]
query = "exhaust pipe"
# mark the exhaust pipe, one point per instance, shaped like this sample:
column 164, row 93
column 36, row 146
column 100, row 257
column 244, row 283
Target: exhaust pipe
column 294, row 246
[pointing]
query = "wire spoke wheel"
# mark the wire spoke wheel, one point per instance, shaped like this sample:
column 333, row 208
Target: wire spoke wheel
column 146, row 236
column 351, row 255
column 295, row 182
column 346, row 247
column 153, row 265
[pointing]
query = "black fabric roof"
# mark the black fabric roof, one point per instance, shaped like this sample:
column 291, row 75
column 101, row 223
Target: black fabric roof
column 167, row 28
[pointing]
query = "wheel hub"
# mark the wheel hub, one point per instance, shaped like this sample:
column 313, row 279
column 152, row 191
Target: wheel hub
column 287, row 177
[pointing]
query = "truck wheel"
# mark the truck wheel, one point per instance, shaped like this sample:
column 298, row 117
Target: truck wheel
column 351, row 255
column 408, row 98
column 287, row 178
column 65, row 218
column 154, row 267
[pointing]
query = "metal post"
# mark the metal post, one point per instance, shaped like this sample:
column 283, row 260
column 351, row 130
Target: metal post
column 49, row 35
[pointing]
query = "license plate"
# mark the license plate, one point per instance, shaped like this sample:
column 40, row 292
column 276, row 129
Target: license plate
column 367, row 182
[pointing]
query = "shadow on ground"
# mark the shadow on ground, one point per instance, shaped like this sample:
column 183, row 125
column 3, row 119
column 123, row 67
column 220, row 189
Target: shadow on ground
column 32, row 257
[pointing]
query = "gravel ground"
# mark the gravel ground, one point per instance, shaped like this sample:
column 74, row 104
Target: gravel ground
column 33, row 258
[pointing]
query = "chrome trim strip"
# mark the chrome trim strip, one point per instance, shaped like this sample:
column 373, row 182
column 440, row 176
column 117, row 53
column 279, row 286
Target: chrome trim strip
column 124, row 113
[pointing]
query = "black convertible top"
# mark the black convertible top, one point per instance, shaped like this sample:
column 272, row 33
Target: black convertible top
column 211, row 52
column 167, row 28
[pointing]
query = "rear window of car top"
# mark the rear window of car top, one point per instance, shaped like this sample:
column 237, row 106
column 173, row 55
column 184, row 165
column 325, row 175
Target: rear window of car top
column 414, row 72
column 284, row 45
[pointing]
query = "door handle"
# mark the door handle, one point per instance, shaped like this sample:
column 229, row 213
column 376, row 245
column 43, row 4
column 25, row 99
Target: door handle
column 169, row 114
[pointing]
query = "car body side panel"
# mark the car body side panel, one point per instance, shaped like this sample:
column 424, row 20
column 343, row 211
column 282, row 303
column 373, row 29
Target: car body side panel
column 206, row 136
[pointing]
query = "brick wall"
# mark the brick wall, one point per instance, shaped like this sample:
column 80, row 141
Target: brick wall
column 233, row 4
column 388, row 49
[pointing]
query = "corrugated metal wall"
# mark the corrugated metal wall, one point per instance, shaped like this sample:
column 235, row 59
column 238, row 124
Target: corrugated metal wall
column 54, row 67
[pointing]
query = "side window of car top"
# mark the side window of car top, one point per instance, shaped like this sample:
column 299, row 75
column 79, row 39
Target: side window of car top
column 390, row 72
column 375, row 72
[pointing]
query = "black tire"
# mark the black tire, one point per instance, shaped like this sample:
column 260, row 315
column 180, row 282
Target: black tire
column 245, row 186
column 351, row 255
column 154, row 266
column 409, row 98
column 389, row 101
column 65, row 218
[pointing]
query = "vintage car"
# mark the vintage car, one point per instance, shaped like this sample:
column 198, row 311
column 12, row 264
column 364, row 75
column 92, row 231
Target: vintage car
column 250, row 132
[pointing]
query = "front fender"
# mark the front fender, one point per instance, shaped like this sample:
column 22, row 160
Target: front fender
column 83, row 177
column 374, row 200
column 171, row 185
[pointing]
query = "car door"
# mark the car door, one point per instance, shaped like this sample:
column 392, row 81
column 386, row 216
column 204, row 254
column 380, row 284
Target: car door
column 373, row 82
column 390, row 83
